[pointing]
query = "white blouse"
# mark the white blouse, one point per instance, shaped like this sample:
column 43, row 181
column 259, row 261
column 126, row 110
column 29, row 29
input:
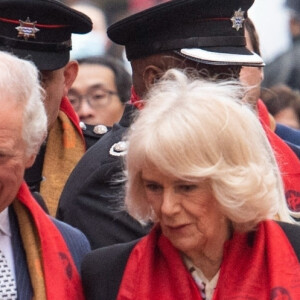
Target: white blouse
column 206, row 287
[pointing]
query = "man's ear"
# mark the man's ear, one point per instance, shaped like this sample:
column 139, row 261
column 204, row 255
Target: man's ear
column 151, row 75
column 70, row 74
column 30, row 160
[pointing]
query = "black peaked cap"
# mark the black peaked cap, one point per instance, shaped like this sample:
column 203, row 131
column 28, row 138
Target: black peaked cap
column 40, row 30
column 208, row 31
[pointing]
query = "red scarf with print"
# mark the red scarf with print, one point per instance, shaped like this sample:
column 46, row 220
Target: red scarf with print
column 258, row 265
column 287, row 160
column 61, row 278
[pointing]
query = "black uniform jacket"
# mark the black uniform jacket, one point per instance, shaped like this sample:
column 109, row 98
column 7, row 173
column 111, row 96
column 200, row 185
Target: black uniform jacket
column 92, row 197
column 102, row 269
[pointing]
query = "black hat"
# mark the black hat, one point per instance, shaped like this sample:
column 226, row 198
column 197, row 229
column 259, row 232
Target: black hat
column 207, row 31
column 40, row 30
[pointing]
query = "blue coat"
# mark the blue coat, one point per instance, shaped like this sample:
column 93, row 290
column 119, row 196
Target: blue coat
column 290, row 136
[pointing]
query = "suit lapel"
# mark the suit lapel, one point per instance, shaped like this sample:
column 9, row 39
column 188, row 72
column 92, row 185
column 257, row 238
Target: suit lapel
column 21, row 270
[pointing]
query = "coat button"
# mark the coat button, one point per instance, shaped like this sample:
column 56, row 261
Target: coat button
column 100, row 129
column 82, row 125
column 118, row 149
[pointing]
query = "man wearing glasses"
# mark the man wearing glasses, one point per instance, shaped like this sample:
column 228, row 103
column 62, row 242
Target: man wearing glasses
column 98, row 95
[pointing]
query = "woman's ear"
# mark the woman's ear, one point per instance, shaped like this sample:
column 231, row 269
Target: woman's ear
column 151, row 75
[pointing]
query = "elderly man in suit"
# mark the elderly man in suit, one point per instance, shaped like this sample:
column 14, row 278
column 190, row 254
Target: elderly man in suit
column 39, row 256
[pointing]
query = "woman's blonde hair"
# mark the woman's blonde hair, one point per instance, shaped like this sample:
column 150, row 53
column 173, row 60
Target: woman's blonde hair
column 194, row 129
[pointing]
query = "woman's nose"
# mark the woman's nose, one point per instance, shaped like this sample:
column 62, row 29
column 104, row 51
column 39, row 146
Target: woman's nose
column 170, row 203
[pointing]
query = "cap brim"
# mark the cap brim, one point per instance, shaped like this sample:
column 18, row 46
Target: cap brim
column 223, row 56
column 49, row 61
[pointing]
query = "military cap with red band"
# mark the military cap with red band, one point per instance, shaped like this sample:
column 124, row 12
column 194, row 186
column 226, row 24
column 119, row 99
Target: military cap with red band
column 40, row 30
column 208, row 31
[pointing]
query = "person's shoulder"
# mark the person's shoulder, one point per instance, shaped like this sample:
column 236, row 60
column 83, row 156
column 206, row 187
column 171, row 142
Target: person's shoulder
column 287, row 133
column 292, row 231
column 76, row 241
column 105, row 265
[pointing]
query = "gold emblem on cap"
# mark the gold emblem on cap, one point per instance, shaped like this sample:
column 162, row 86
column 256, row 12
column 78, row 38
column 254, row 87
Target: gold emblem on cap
column 27, row 29
column 238, row 19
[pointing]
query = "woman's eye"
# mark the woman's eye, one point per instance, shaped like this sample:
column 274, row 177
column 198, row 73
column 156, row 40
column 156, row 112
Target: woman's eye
column 153, row 187
column 187, row 187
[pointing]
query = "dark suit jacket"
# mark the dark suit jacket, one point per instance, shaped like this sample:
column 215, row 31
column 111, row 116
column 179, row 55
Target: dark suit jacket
column 77, row 243
column 92, row 196
column 102, row 269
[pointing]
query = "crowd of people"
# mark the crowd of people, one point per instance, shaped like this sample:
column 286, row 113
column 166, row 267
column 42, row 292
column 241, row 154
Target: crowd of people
column 144, row 154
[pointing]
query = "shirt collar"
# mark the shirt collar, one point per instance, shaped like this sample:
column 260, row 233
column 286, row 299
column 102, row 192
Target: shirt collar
column 4, row 223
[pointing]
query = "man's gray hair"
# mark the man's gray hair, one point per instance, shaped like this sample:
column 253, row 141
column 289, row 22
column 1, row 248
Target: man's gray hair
column 19, row 81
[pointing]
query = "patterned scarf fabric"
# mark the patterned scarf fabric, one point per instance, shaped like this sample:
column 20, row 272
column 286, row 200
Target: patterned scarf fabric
column 257, row 265
column 65, row 147
column 52, row 271
column 287, row 160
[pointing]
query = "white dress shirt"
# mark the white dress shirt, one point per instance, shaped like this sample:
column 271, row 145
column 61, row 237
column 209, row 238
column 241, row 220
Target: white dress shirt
column 5, row 240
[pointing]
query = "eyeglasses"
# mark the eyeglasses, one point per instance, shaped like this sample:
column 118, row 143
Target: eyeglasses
column 96, row 98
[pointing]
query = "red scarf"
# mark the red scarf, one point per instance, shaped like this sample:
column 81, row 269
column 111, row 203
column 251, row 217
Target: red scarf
column 135, row 99
column 287, row 160
column 254, row 266
column 62, row 280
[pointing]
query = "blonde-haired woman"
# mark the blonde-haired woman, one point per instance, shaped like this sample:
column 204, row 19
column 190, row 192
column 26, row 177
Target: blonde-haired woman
column 200, row 167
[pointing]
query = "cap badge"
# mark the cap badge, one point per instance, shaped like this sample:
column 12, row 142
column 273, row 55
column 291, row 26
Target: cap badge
column 119, row 149
column 238, row 19
column 27, row 29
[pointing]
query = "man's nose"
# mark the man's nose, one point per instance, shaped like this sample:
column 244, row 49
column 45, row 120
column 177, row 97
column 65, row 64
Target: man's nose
column 85, row 109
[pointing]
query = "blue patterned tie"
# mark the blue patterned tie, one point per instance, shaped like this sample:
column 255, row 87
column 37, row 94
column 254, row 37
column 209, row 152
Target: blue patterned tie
column 8, row 289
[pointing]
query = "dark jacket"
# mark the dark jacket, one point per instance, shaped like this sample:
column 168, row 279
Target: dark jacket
column 92, row 197
column 290, row 136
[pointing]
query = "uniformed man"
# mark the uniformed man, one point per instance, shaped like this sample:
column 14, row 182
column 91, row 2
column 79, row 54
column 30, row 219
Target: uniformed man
column 205, row 37
column 40, row 30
